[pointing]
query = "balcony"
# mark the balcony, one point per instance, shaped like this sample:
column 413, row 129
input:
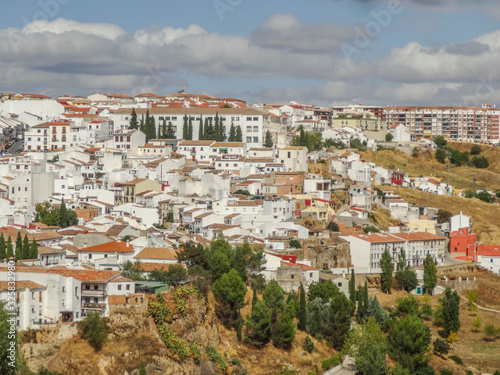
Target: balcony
column 94, row 306
column 93, row 293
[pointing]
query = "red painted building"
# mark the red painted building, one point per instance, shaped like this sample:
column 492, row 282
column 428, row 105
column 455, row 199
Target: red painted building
column 397, row 178
column 462, row 242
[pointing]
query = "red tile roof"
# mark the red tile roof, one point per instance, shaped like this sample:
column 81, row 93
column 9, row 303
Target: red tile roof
column 109, row 247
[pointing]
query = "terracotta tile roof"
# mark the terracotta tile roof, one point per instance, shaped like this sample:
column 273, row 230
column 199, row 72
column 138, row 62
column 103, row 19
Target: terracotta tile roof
column 378, row 238
column 163, row 253
column 196, row 143
column 137, row 181
column 228, row 144
column 109, row 247
column 418, row 236
column 116, row 229
column 21, row 285
column 82, row 275
column 121, row 279
column 43, row 250
column 149, row 267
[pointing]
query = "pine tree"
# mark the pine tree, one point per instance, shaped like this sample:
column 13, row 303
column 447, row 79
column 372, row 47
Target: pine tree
column 387, row 268
column 258, row 325
column 352, row 287
column 239, row 326
column 302, row 313
column 239, row 135
column 450, row 311
column 200, row 129
column 3, row 252
column 63, row 215
column 33, row 250
column 190, row 128
column 430, row 274
column 254, row 298
column 268, row 142
column 232, row 133
column 302, row 138
column 283, row 332
column 26, row 248
column 185, row 128
column 19, row 247
column 10, row 248
column 170, row 131
column 133, row 120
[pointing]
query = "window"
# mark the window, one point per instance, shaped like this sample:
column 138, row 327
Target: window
column 256, row 119
column 87, row 287
column 32, row 295
column 339, row 285
column 90, row 256
column 249, row 119
column 311, row 274
column 96, row 287
column 292, row 277
column 63, row 289
column 76, row 291
column 127, row 287
column 119, row 287
column 249, row 128
column 255, row 129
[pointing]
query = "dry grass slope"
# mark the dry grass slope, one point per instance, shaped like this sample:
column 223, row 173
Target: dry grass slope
column 485, row 216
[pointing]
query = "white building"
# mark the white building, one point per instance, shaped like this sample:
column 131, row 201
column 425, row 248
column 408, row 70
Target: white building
column 294, row 158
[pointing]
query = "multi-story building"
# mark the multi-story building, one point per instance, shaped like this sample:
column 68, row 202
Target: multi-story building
column 466, row 124
column 251, row 121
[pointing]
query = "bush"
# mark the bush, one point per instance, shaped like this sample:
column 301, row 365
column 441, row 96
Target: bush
column 468, row 372
column 336, row 359
column 295, row 244
column 95, row 330
column 475, row 150
column 371, row 229
column 333, row 226
column 441, row 347
column 445, row 371
column 452, row 337
column 216, row 358
column 236, row 362
column 326, row 364
column 308, row 345
column 480, row 162
column 457, row 360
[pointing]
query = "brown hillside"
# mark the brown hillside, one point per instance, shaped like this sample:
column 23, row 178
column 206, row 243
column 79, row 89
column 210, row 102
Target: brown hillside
column 485, row 216
column 425, row 164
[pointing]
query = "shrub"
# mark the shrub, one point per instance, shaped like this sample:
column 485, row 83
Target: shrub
column 326, row 364
column 445, row 371
column 475, row 150
column 236, row 362
column 468, row 372
column 308, row 345
column 216, row 358
column 441, row 347
column 195, row 353
column 452, row 337
column 490, row 331
column 336, row 359
column 457, row 360
column 295, row 244
column 95, row 330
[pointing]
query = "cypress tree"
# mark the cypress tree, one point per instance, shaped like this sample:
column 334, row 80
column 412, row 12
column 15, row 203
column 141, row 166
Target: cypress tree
column 239, row 326
column 239, row 135
column 387, row 268
column 205, row 129
column 164, row 129
column 185, row 129
column 3, row 252
column 302, row 138
column 19, row 247
column 34, row 250
column 232, row 133
column 222, row 131
column 268, row 142
column 133, row 120
column 210, row 133
column 254, row 298
column 200, row 128
column 217, row 128
column 63, row 215
column 352, row 287
column 26, row 248
column 170, row 131
column 10, row 248
column 190, row 128
column 430, row 274
column 450, row 310
column 142, row 125
column 259, row 325
column 302, row 313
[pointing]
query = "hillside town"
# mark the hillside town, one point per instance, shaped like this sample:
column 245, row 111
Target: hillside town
column 131, row 181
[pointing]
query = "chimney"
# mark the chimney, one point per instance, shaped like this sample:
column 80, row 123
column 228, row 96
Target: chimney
column 305, row 251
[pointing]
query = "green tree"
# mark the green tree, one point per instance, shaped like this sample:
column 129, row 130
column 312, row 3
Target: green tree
column 232, row 133
column 340, row 312
column 19, row 247
column 229, row 291
column 440, row 141
column 407, row 305
column 274, row 298
column 490, row 331
column 283, row 331
column 239, row 326
column 352, row 287
column 94, row 329
column 6, row 337
column 258, row 325
column 164, row 128
column 239, row 263
column 407, row 279
column 63, row 215
column 190, row 128
column 254, row 295
column 376, row 311
column 317, row 317
column 26, row 248
column 268, row 141
column 367, row 345
column 10, row 248
column 387, row 268
column 294, row 243
column 475, row 150
column 193, row 254
column 443, row 216
column 302, row 311
column 176, row 274
column 450, row 310
column 485, row 197
column 363, row 302
column 308, row 345
column 389, row 137
column 409, row 341
column 200, row 129
column 3, row 251
column 325, row 291
column 430, row 274
column 142, row 124
column 476, row 323
column 170, row 131
column 134, row 124
column 217, row 128
column 333, row 227
column 441, row 347
column 239, row 135
column 219, row 263
column 185, row 128
column 33, row 252
column 480, row 162
column 440, row 155
column 255, row 265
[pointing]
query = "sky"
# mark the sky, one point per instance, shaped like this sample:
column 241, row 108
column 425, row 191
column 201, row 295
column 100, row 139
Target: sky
column 324, row 52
